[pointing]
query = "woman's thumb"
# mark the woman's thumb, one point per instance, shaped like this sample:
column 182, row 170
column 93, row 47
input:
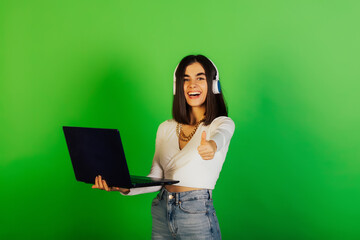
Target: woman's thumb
column 203, row 137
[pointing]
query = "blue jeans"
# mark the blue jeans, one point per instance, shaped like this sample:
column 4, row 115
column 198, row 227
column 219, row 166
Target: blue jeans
column 184, row 215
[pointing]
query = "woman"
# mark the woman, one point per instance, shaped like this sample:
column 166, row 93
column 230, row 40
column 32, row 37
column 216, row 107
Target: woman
column 190, row 148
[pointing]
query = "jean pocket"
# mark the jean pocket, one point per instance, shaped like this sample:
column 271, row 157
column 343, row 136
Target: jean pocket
column 193, row 206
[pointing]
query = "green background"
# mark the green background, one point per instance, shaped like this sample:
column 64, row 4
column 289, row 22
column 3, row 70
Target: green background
column 290, row 75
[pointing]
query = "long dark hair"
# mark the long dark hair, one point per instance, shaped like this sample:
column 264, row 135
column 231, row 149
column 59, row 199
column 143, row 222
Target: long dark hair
column 214, row 104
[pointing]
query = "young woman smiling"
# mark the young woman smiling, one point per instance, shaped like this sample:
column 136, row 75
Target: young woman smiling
column 190, row 148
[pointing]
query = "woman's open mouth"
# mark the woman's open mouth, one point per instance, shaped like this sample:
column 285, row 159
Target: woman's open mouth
column 194, row 95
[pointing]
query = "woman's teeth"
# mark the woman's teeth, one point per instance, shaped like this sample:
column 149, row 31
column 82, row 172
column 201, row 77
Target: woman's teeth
column 192, row 94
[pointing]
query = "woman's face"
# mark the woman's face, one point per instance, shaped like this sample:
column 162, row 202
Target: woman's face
column 195, row 85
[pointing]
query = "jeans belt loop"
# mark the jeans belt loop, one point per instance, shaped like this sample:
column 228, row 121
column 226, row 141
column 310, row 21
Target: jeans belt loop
column 210, row 193
column 177, row 198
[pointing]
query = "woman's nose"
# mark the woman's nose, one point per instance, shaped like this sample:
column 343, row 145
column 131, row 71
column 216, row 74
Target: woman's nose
column 192, row 83
column 192, row 86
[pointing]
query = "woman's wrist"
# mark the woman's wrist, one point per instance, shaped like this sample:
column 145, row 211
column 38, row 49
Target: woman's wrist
column 124, row 191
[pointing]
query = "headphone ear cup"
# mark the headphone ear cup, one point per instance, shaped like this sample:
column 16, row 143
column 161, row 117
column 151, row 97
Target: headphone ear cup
column 216, row 87
column 216, row 83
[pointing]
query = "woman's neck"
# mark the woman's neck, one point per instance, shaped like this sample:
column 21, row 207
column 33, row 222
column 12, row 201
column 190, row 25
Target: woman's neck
column 197, row 114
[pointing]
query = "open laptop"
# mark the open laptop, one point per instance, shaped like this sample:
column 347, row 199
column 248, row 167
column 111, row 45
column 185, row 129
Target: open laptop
column 99, row 151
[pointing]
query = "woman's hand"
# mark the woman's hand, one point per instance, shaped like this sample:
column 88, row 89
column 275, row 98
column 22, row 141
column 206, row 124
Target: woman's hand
column 101, row 184
column 206, row 149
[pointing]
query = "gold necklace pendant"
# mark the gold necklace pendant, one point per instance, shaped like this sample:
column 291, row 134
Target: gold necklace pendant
column 180, row 133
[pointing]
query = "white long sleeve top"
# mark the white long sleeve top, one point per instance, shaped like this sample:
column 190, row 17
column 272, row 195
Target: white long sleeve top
column 186, row 165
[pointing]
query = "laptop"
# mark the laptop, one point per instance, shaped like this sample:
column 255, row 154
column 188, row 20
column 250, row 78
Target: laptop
column 99, row 151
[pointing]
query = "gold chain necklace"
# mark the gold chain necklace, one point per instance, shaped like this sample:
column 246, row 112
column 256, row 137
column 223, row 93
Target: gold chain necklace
column 180, row 133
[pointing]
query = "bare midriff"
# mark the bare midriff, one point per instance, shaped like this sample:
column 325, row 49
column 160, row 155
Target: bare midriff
column 173, row 188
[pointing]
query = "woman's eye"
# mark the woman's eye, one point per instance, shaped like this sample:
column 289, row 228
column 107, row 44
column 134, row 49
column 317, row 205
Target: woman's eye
column 185, row 79
column 201, row 78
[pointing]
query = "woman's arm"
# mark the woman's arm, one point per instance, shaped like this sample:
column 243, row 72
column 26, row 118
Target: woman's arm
column 222, row 130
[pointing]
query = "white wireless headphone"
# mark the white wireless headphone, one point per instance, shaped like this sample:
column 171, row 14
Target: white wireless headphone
column 215, row 86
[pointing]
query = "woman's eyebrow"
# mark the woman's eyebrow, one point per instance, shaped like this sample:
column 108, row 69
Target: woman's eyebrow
column 201, row 73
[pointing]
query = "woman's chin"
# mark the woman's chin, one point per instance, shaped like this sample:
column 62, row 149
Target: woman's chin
column 196, row 104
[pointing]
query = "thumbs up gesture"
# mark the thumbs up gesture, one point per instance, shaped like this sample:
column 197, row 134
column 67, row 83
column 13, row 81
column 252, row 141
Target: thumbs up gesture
column 206, row 149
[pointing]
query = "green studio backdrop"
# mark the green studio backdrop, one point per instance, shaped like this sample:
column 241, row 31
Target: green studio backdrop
column 290, row 76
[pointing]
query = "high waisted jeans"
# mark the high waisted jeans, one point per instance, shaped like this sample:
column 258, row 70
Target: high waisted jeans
column 184, row 215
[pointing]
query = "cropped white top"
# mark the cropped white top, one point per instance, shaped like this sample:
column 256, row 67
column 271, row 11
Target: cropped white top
column 186, row 165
